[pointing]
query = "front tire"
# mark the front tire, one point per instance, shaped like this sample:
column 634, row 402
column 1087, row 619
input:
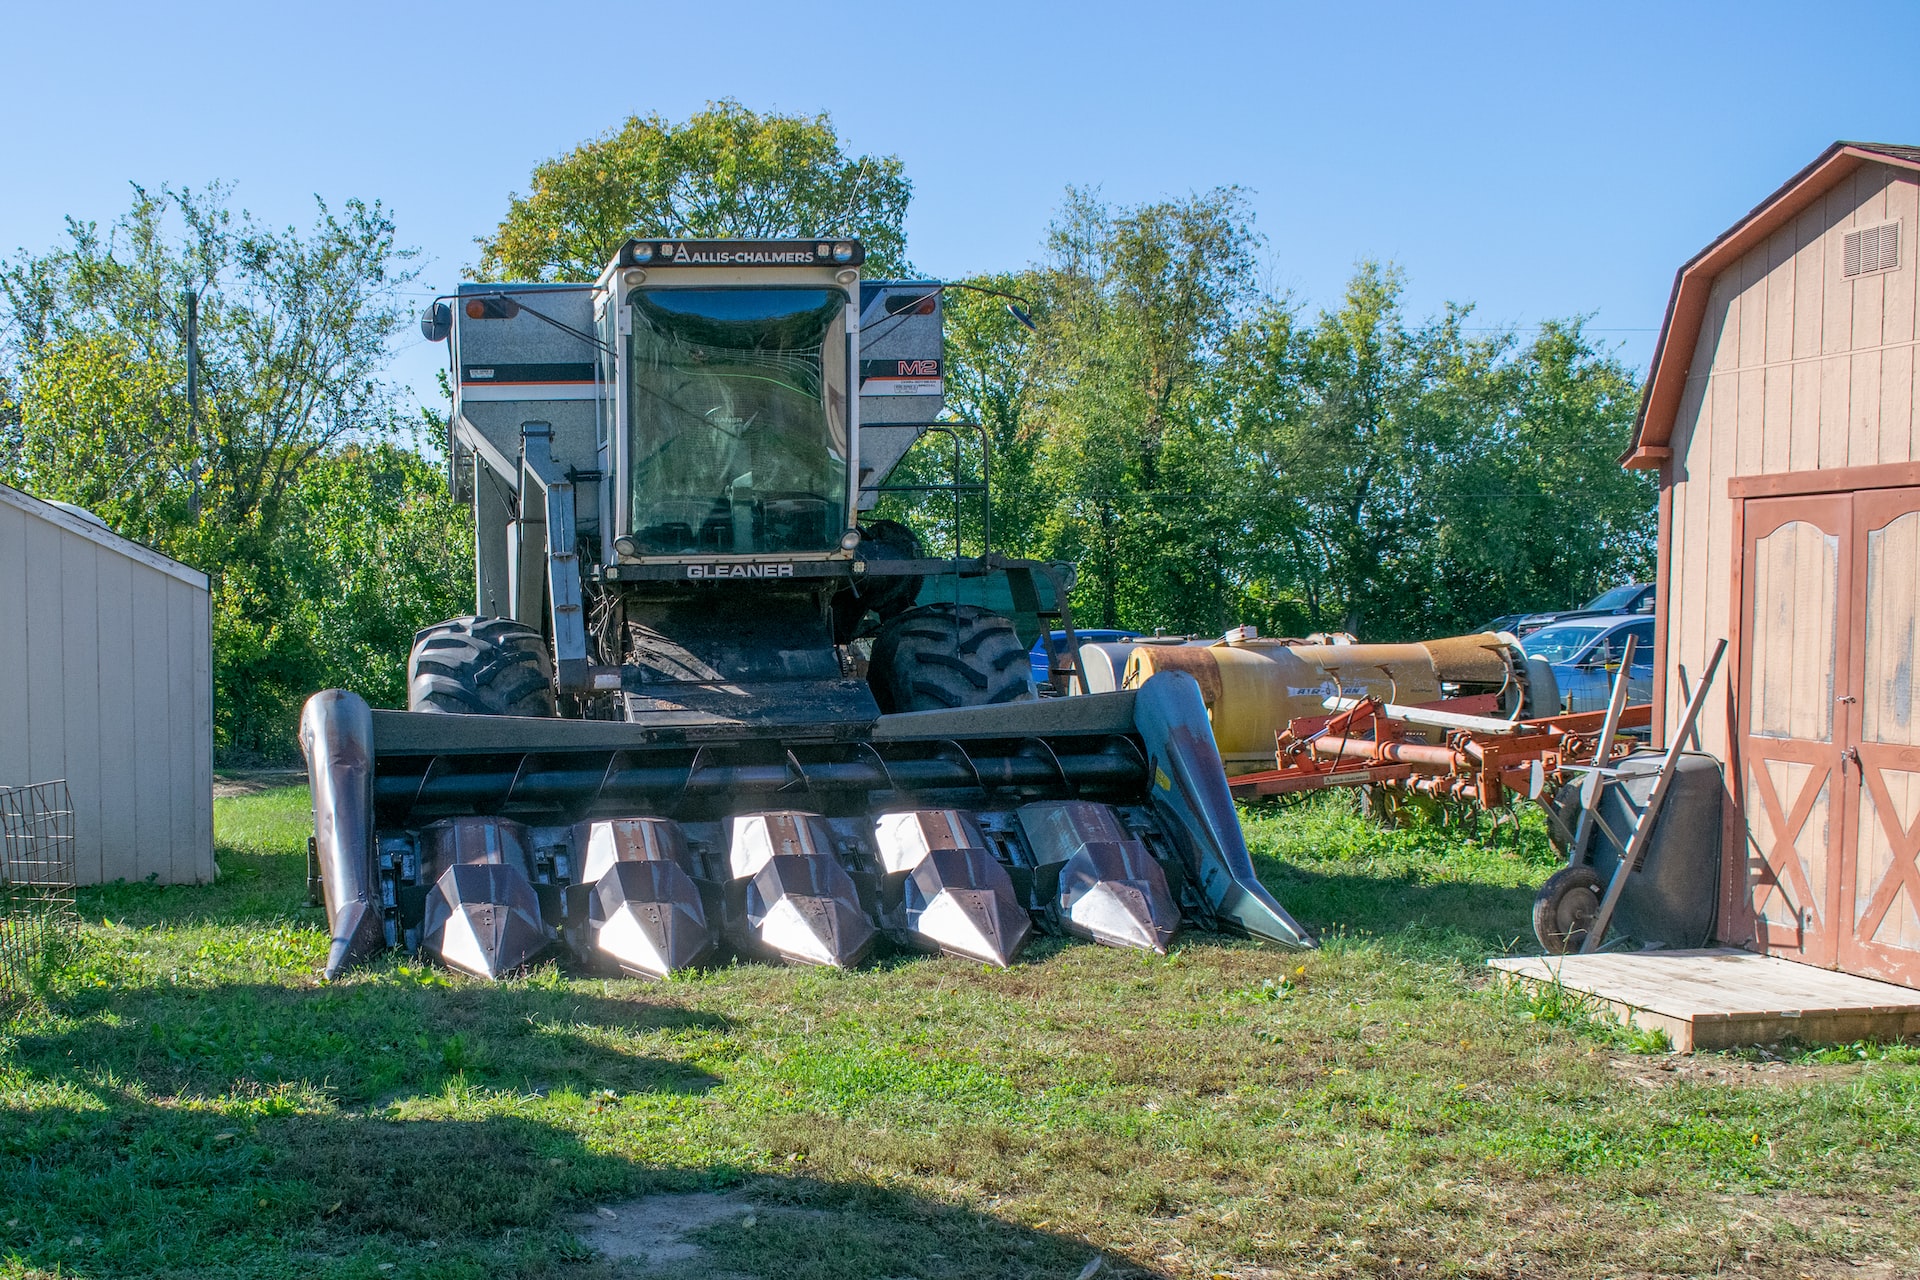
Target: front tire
column 481, row 667
column 1565, row 910
column 942, row 656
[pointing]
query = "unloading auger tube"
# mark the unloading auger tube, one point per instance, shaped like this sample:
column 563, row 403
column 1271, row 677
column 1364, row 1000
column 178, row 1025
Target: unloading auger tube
column 490, row 841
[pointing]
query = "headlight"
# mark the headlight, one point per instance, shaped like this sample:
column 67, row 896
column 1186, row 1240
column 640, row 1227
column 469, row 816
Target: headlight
column 850, row 539
column 643, row 253
column 843, row 253
column 626, row 546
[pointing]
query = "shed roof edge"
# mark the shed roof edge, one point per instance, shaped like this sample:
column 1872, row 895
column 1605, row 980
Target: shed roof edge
column 70, row 523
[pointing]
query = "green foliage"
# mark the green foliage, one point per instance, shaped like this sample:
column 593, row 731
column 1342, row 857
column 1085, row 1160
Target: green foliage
column 372, row 549
column 325, row 538
column 1209, row 456
column 726, row 171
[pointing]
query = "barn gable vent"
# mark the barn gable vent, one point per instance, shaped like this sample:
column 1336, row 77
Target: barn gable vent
column 1870, row 249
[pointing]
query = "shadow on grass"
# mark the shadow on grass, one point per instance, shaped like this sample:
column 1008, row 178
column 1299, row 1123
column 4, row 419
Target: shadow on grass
column 258, row 1130
column 1466, row 920
column 360, row 1041
column 122, row 1188
column 253, row 888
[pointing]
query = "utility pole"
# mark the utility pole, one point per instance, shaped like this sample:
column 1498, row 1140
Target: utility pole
column 193, row 404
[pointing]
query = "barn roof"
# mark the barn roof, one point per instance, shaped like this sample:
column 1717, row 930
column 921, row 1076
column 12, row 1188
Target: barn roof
column 1687, row 307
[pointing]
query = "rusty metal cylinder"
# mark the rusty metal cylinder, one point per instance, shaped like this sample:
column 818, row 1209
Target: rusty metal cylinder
column 1253, row 688
column 1420, row 753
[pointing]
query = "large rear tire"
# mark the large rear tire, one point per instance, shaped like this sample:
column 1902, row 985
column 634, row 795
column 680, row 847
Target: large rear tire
column 481, row 667
column 943, row 655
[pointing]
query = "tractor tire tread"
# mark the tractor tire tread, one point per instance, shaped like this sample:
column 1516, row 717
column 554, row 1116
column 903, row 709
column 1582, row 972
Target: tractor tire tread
column 943, row 656
column 481, row 666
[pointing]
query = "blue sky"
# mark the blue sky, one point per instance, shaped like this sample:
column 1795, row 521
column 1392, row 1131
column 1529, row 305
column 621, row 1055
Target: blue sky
column 1536, row 159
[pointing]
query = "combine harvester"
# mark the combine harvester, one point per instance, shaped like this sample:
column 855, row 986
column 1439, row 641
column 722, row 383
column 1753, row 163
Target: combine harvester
column 662, row 742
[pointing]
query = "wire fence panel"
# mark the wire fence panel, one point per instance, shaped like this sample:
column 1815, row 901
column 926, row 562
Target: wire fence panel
column 37, row 919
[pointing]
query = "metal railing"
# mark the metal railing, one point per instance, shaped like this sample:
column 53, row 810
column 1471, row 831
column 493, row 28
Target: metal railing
column 38, row 923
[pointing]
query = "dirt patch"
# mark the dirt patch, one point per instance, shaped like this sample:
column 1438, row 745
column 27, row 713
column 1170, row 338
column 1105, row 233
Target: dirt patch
column 228, row 783
column 1659, row 1070
column 653, row 1229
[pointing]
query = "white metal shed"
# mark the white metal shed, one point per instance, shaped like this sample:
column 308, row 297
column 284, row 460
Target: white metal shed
column 106, row 680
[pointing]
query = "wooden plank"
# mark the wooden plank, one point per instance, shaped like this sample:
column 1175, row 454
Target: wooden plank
column 80, row 637
column 1897, row 315
column 119, row 798
column 1896, row 475
column 1809, row 276
column 1780, row 251
column 1804, row 453
column 1719, row 573
column 1733, row 883
column 1836, row 319
column 1750, row 407
column 152, row 777
column 1896, row 405
column 1863, row 410
column 1776, row 418
column 1721, row 998
column 1689, row 617
column 1750, row 278
column 1836, row 374
column 13, row 645
column 1869, row 306
column 1720, row 328
column 1889, row 695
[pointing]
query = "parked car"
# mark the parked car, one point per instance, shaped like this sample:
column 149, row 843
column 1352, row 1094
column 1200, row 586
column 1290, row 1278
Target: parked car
column 1627, row 598
column 1585, row 655
column 1037, row 656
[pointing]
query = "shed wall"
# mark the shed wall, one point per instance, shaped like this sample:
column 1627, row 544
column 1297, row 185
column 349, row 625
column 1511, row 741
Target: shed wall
column 1797, row 368
column 106, row 680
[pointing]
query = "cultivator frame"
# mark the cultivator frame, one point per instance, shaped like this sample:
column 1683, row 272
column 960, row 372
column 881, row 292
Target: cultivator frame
column 1479, row 759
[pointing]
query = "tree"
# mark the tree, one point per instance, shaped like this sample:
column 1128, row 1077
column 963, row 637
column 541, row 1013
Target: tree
column 727, row 171
column 292, row 342
column 1139, row 306
column 293, row 339
column 1417, row 480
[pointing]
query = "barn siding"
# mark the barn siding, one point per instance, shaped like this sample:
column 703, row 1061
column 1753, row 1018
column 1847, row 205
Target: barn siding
column 1795, row 368
column 106, row 681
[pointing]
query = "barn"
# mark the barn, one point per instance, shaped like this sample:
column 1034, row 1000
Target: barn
column 1780, row 414
column 106, row 681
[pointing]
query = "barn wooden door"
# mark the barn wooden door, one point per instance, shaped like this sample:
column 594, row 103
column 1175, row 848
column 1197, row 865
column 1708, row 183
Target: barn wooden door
column 1796, row 573
column 1880, row 932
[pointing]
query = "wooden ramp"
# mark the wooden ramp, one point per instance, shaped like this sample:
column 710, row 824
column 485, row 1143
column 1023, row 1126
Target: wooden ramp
column 1722, row 998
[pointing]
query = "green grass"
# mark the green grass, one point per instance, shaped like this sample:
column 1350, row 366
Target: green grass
column 192, row 1102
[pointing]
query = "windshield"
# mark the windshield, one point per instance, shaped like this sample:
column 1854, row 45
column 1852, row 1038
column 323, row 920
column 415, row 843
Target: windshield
column 1617, row 598
column 738, row 420
column 1559, row 644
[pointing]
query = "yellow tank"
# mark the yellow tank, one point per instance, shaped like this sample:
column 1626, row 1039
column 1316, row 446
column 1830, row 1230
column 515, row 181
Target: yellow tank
column 1252, row 688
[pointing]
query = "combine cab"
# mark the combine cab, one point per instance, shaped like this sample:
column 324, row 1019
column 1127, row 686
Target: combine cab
column 705, row 702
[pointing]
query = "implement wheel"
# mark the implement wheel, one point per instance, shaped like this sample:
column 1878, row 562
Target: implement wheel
column 1564, row 910
column 944, row 655
column 481, row 667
